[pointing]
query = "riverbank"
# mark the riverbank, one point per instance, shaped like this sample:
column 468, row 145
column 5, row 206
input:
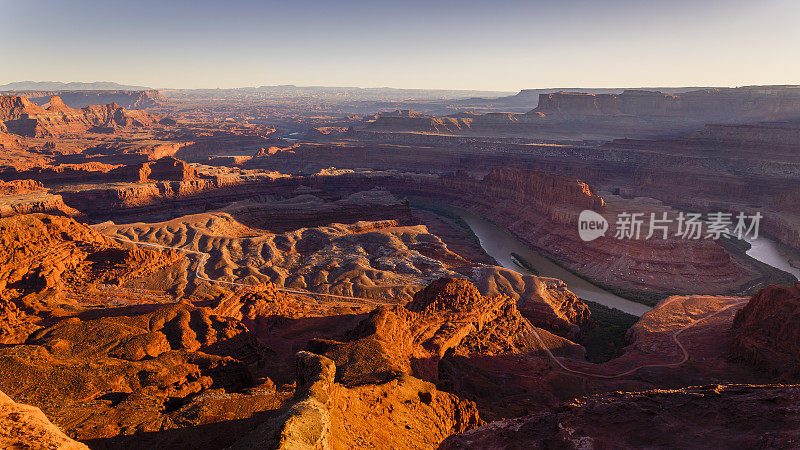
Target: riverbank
column 505, row 248
column 764, row 257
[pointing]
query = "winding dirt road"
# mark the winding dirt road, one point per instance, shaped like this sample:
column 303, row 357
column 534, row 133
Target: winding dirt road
column 628, row 372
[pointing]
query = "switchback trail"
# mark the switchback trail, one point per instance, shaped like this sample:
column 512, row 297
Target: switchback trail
column 628, row 372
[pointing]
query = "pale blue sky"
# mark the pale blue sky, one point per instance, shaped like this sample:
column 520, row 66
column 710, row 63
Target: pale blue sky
column 411, row 44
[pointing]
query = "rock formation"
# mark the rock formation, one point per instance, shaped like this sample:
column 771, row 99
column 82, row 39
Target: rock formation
column 128, row 99
column 19, row 187
column 119, row 376
column 46, row 260
column 446, row 320
column 23, row 426
column 765, row 333
column 581, row 115
column 25, row 118
column 166, row 168
column 35, row 202
column 324, row 414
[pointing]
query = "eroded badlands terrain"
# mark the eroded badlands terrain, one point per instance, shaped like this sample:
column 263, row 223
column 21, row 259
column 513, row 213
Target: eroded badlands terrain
column 273, row 268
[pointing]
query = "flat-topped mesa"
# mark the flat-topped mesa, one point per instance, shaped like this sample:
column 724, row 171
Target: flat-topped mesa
column 633, row 102
column 25, row 118
column 171, row 169
column 767, row 103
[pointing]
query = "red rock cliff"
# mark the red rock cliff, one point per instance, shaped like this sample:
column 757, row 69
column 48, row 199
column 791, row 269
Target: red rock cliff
column 766, row 332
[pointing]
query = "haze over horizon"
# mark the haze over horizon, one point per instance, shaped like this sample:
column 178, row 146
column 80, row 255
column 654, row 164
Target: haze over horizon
column 444, row 45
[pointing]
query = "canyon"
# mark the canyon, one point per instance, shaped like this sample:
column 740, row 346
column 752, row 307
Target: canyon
column 286, row 267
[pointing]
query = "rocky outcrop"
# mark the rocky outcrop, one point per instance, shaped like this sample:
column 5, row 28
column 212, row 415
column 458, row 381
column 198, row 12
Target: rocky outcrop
column 36, row 202
column 307, row 423
column 448, row 317
column 767, row 331
column 19, row 187
column 326, row 415
column 166, row 168
column 8, row 141
column 23, row 426
column 716, row 416
column 134, row 372
column 25, row 118
column 45, row 260
column 545, row 302
column 169, row 168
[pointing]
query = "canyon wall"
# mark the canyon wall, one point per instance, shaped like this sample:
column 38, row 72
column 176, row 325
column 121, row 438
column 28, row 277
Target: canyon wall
column 540, row 208
column 602, row 116
column 81, row 99
column 767, row 331
column 166, row 168
column 760, row 103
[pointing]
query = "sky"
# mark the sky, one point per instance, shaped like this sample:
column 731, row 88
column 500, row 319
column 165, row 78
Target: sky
column 489, row 45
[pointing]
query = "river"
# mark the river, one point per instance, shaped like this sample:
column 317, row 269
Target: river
column 768, row 252
column 499, row 243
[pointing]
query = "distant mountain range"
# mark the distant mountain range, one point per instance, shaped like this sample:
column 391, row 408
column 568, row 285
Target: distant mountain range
column 73, row 86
